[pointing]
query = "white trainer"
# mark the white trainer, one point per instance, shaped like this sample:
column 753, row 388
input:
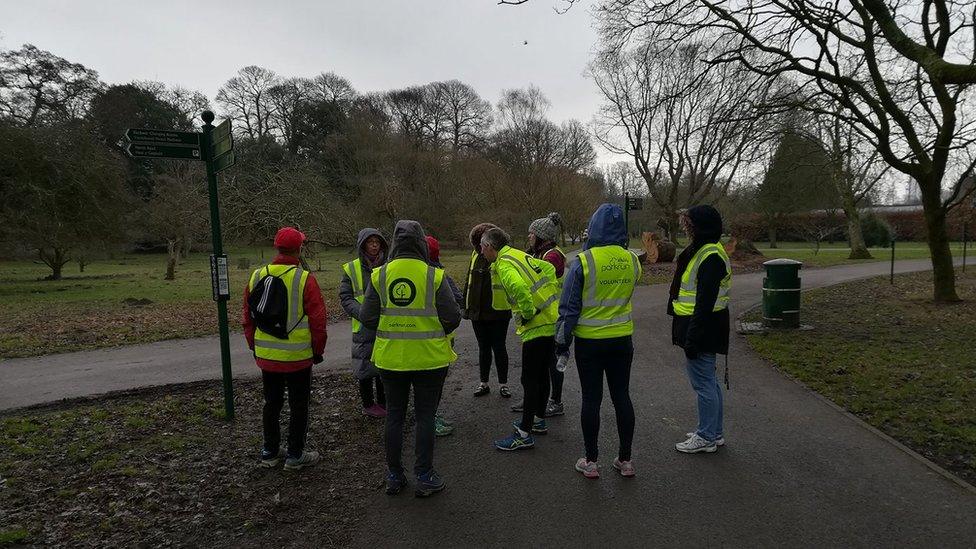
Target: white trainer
column 695, row 444
column 720, row 441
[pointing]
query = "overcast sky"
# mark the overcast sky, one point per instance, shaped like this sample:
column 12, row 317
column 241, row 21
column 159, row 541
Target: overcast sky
column 376, row 44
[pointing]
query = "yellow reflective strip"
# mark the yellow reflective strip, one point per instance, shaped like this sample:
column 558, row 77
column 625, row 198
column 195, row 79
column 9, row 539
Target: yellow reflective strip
column 282, row 345
column 605, row 322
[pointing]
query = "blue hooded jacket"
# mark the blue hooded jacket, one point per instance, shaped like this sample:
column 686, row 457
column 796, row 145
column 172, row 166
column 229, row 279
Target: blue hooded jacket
column 606, row 228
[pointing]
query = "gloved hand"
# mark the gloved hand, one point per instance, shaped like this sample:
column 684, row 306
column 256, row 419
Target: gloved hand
column 562, row 350
column 691, row 353
column 317, row 359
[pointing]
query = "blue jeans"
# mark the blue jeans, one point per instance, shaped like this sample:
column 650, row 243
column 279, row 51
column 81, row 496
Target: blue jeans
column 701, row 372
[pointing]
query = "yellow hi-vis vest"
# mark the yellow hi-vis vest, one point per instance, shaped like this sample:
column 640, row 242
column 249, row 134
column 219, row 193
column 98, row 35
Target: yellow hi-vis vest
column 540, row 277
column 684, row 305
column 298, row 346
column 410, row 335
column 498, row 300
column 354, row 270
column 610, row 274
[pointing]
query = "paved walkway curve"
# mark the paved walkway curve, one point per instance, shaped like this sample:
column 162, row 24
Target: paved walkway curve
column 796, row 471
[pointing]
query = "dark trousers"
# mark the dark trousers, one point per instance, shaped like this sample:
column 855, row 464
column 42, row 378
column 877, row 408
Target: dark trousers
column 538, row 356
column 299, row 385
column 427, row 385
column 594, row 359
column 366, row 392
column 491, row 336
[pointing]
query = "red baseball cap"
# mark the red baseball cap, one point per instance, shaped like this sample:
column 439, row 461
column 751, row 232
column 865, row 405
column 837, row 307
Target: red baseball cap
column 433, row 248
column 289, row 238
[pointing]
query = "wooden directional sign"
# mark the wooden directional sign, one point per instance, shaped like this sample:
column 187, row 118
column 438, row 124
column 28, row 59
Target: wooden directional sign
column 224, row 162
column 149, row 143
column 152, row 150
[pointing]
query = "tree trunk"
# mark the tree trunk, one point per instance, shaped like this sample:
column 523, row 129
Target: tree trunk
column 854, row 235
column 173, row 254
column 944, row 274
column 772, row 236
column 56, row 261
column 81, row 265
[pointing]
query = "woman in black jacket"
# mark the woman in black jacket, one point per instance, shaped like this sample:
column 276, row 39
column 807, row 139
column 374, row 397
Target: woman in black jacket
column 703, row 331
column 490, row 325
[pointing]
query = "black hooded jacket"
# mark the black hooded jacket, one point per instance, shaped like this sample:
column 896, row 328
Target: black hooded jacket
column 705, row 331
column 409, row 241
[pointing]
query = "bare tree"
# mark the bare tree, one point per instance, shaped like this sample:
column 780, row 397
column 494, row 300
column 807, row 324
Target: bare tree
column 247, row 99
column 467, row 115
column 900, row 71
column 177, row 210
column 856, row 170
column 690, row 127
column 38, row 87
column 287, row 99
column 329, row 86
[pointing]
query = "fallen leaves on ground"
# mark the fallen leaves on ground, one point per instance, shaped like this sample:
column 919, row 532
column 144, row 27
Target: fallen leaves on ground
column 160, row 468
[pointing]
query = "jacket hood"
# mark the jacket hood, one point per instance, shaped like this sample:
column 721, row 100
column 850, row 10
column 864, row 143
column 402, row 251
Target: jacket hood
column 364, row 236
column 707, row 223
column 409, row 241
column 607, row 227
column 477, row 232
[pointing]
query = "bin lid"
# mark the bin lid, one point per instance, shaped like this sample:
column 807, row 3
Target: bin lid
column 782, row 261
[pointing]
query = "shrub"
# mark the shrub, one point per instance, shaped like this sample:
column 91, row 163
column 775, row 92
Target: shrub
column 875, row 230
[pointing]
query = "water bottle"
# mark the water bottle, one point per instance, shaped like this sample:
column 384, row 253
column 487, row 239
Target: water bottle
column 561, row 362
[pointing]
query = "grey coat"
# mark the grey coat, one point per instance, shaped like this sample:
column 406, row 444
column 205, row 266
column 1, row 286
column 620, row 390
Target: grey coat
column 409, row 242
column 362, row 341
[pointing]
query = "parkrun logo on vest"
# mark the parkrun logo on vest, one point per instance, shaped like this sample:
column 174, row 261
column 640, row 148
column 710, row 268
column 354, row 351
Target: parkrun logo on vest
column 617, row 264
column 402, row 292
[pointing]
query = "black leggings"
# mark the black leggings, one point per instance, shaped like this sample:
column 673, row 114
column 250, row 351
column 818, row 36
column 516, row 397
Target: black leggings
column 299, row 386
column 538, row 355
column 491, row 336
column 612, row 357
column 366, row 392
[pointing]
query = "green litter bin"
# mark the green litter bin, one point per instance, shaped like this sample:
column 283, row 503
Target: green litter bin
column 781, row 293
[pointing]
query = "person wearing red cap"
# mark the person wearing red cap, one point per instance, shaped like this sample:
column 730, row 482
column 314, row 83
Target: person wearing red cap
column 286, row 357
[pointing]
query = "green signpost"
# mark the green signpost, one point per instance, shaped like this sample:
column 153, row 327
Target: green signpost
column 215, row 146
column 631, row 203
column 218, row 260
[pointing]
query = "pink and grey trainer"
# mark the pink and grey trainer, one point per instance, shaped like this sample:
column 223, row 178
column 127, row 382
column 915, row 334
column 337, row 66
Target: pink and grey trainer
column 588, row 468
column 626, row 468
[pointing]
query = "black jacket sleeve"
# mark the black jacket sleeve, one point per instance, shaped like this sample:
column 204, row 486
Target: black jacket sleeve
column 369, row 312
column 710, row 275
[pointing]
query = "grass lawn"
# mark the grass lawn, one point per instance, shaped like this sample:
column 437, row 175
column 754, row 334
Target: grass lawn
column 125, row 300
column 891, row 356
column 162, row 468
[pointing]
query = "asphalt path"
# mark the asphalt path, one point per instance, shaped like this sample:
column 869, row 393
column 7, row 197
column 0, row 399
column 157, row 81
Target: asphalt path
column 797, row 471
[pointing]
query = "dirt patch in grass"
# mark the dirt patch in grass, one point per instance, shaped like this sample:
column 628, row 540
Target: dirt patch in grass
column 161, row 468
column 894, row 358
